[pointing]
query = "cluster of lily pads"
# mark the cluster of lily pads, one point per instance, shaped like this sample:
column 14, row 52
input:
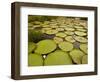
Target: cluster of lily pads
column 58, row 41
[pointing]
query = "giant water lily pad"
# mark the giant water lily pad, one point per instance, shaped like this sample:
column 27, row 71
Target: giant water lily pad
column 58, row 39
column 80, row 33
column 45, row 29
column 65, row 46
column 69, row 32
column 69, row 39
column 35, row 59
column 51, row 31
column 45, row 46
column 60, row 29
column 82, row 30
column 80, row 39
column 31, row 46
column 84, row 48
column 78, row 27
column 61, row 34
column 76, row 55
column 85, row 59
column 58, row 57
column 69, row 29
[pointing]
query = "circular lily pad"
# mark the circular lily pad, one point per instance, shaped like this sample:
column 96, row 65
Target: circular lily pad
column 31, row 46
column 58, row 39
column 54, row 26
column 35, row 60
column 65, row 46
column 51, row 31
column 80, row 33
column 45, row 46
column 84, row 48
column 69, row 29
column 80, row 39
column 76, row 55
column 77, row 27
column 60, row 34
column 45, row 29
column 69, row 39
column 85, row 59
column 82, row 30
column 69, row 32
column 60, row 29
column 58, row 58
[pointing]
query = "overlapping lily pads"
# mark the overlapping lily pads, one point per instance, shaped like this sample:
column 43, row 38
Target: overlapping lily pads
column 57, row 41
column 76, row 56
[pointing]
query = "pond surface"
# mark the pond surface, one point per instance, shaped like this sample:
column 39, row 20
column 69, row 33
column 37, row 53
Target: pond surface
column 57, row 40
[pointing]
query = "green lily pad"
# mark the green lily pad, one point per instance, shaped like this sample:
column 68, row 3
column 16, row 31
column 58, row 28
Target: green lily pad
column 65, row 46
column 60, row 34
column 84, row 48
column 58, row 57
column 69, row 39
column 80, row 39
column 35, row 60
column 69, row 29
column 45, row 46
column 82, row 30
column 80, row 33
column 54, row 26
column 69, row 32
column 45, row 29
column 51, row 31
column 58, row 39
column 85, row 59
column 31, row 46
column 78, row 27
column 76, row 55
column 60, row 29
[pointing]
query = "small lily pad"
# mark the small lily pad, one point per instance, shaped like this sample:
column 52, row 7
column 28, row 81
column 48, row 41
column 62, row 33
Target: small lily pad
column 35, row 59
column 80, row 39
column 65, row 46
column 69, row 32
column 58, row 39
column 51, row 31
column 69, row 39
column 69, row 29
column 80, row 33
column 45, row 46
column 84, row 48
column 60, row 29
column 58, row 57
column 76, row 55
column 85, row 59
column 82, row 30
column 61, row 34
column 77, row 27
